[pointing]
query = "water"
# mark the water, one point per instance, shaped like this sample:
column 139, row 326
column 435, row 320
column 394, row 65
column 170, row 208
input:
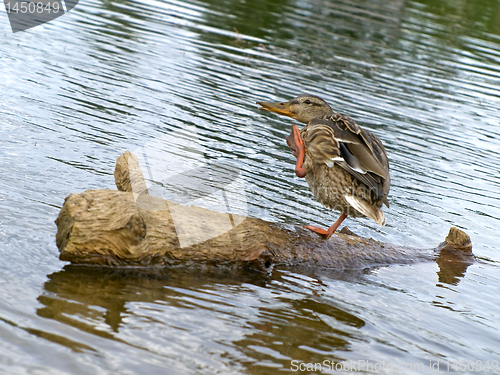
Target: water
column 112, row 76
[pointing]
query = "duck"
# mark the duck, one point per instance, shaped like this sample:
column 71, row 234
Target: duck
column 345, row 165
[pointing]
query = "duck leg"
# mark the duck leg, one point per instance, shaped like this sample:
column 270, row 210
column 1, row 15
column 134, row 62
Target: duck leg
column 327, row 232
column 294, row 141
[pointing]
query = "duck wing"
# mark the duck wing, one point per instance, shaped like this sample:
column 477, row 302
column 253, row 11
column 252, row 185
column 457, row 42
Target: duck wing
column 338, row 139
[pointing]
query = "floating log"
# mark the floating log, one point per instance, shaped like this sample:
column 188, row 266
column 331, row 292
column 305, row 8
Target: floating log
column 129, row 227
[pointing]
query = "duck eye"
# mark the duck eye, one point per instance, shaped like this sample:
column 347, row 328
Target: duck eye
column 307, row 101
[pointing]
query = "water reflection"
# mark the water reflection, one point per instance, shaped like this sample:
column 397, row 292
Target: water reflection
column 277, row 321
column 453, row 265
column 423, row 75
column 91, row 292
column 287, row 316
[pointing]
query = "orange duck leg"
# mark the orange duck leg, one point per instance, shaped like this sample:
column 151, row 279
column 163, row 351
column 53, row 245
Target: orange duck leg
column 327, row 232
column 295, row 142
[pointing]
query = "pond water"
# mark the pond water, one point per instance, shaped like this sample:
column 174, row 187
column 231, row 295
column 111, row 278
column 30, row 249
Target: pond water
column 110, row 76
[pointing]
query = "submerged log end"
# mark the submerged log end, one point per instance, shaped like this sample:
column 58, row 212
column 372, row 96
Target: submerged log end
column 454, row 256
column 456, row 248
column 459, row 240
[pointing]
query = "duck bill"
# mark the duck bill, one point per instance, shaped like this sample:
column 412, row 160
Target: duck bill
column 279, row 108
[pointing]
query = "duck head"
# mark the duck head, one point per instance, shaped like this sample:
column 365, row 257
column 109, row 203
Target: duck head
column 303, row 108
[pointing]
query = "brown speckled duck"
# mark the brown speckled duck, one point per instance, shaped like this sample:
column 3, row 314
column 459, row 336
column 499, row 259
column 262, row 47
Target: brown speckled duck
column 345, row 165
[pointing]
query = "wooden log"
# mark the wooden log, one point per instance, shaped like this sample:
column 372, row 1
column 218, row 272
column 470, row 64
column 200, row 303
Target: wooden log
column 131, row 228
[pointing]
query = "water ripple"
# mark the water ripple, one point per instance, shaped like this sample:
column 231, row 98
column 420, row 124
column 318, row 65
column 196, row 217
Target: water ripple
column 107, row 77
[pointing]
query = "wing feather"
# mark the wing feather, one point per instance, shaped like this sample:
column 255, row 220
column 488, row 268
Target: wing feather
column 337, row 138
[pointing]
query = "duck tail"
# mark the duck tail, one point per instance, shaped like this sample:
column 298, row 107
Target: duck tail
column 373, row 212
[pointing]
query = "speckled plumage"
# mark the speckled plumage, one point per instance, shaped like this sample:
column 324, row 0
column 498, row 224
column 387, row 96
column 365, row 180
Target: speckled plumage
column 330, row 186
column 334, row 179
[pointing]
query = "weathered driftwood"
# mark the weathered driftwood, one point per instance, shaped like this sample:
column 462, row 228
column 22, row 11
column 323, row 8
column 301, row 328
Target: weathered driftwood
column 131, row 228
